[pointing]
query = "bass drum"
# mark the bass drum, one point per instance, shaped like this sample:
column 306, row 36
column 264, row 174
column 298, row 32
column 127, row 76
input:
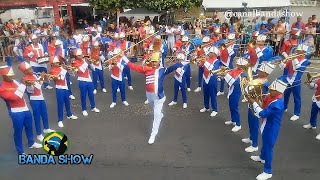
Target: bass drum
column 195, row 42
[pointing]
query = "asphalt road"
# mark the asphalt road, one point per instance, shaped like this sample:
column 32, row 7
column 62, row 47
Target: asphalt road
column 190, row 145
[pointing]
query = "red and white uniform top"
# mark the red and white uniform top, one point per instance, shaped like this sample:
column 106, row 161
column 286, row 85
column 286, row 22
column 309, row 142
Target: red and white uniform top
column 117, row 69
column 85, row 47
column 34, row 90
column 83, row 70
column 287, row 45
column 34, row 51
column 96, row 54
column 316, row 96
column 12, row 92
column 60, row 72
column 231, row 77
column 208, row 66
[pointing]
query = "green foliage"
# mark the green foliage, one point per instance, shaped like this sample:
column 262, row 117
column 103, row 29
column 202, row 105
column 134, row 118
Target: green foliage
column 156, row 5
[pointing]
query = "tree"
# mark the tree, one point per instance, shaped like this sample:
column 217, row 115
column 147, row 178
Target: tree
column 156, row 5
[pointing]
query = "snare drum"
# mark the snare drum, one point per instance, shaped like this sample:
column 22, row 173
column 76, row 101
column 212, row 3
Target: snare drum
column 43, row 60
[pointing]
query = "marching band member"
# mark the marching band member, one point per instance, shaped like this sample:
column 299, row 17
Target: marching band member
column 34, row 51
column 287, row 45
column 210, row 81
column 315, row 106
column 154, row 87
column 97, row 72
column 186, row 49
column 253, row 121
column 62, row 92
column 12, row 92
column 180, row 82
column 85, row 83
column 117, row 77
column 254, row 35
column 85, row 46
column 37, row 101
column 293, row 69
column 233, row 80
column 123, row 46
column 227, row 55
column 200, row 53
column 271, row 112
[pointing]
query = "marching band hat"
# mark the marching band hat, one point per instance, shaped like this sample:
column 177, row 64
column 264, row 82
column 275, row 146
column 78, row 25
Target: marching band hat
column 24, row 66
column 231, row 36
column 278, row 85
column 34, row 37
column 122, row 35
column 295, row 31
column 185, row 39
column 242, row 61
column 206, row 39
column 58, row 42
column 261, row 37
column 116, row 35
column 78, row 52
column 6, row 71
column 267, row 67
column 54, row 59
column 216, row 30
column 255, row 34
column 215, row 50
column 96, row 43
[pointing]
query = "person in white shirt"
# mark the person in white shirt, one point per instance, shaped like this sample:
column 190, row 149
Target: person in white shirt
column 171, row 39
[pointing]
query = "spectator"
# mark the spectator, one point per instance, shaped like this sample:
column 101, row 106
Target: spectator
column 309, row 32
column 198, row 29
column 286, row 26
column 277, row 36
column 171, row 38
column 299, row 24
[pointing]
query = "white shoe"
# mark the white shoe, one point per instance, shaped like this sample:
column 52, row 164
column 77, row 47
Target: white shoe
column 257, row 159
column 228, row 123
column 188, row 89
column 244, row 100
column 185, row 105
column 308, row 126
column 130, row 88
column 213, row 114
column 204, row 110
column 146, row 102
column 251, row 149
column 236, row 128
column 172, row 103
column 220, row 93
column 73, row 117
column 125, row 103
column 95, row 110
column 60, row 124
column 104, row 90
column 72, row 97
column 264, row 176
column 84, row 113
column 118, row 90
column 49, row 87
column 246, row 140
column 294, row 118
column 40, row 137
column 198, row 89
column 318, row 137
column 151, row 139
column 95, row 91
column 46, row 131
column 112, row 105
column 286, row 110
column 36, row 145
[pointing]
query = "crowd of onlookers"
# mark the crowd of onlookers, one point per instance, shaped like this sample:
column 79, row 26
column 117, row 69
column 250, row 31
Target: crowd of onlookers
column 15, row 35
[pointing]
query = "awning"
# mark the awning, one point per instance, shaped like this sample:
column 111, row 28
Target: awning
column 237, row 4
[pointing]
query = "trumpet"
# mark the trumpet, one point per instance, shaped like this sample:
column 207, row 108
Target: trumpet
column 292, row 56
column 70, row 68
column 219, row 71
column 93, row 61
column 310, row 78
column 198, row 60
column 45, row 76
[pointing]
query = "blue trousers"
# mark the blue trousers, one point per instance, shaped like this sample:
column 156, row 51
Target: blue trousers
column 86, row 88
column 188, row 75
column 126, row 73
column 20, row 120
column 39, row 109
column 9, row 61
column 296, row 91
column 98, row 74
column 234, row 99
column 20, row 58
column 268, row 142
column 63, row 99
column 68, row 83
column 314, row 114
column 39, row 70
column 210, row 93
column 182, row 85
column 115, row 84
column 200, row 76
column 222, row 81
column 253, row 122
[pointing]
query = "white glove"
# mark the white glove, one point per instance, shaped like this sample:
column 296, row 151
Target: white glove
column 30, row 54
